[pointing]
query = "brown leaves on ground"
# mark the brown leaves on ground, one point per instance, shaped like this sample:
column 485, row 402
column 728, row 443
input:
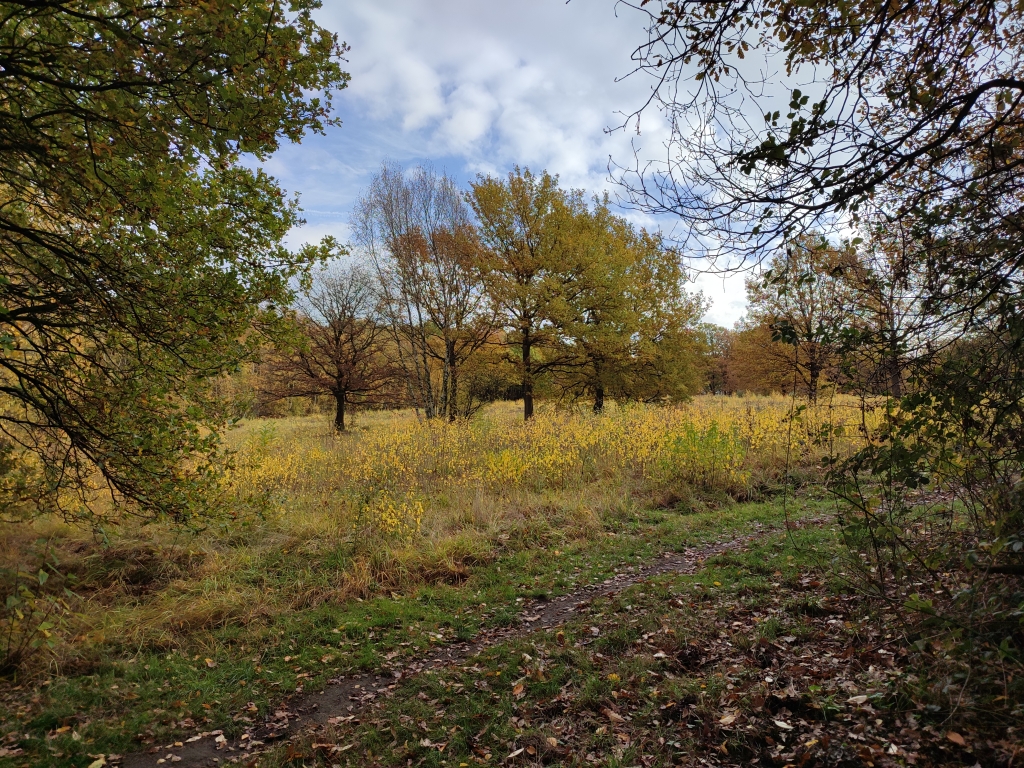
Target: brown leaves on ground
column 715, row 685
column 791, row 677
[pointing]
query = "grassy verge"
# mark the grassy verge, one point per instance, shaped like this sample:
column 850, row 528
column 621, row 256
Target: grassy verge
column 134, row 696
column 761, row 658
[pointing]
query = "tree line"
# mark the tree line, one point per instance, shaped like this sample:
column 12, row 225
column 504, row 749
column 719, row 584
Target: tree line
column 451, row 299
column 826, row 314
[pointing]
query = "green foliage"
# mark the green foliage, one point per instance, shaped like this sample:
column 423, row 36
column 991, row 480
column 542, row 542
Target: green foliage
column 529, row 266
column 136, row 248
column 805, row 299
column 31, row 616
column 630, row 329
column 587, row 300
column 708, row 457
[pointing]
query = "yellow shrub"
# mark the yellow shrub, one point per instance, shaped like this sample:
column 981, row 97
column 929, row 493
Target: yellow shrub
column 393, row 475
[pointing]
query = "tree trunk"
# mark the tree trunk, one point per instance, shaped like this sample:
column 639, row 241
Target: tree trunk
column 598, row 381
column 429, row 405
column 527, row 378
column 445, row 403
column 813, row 375
column 453, row 381
column 893, row 364
column 339, row 412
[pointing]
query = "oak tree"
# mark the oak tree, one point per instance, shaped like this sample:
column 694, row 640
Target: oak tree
column 138, row 252
column 536, row 258
column 805, row 298
column 628, row 328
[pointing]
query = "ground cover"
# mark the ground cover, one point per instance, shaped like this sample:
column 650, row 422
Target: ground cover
column 222, row 677
column 337, row 555
column 760, row 657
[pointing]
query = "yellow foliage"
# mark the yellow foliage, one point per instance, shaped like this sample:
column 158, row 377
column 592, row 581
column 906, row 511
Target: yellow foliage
column 388, row 477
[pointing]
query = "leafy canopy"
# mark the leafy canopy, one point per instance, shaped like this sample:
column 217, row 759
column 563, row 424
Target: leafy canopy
column 136, row 245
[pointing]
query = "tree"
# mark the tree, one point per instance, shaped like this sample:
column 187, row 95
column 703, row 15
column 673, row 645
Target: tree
column 908, row 117
column 341, row 349
column 667, row 348
column 755, row 362
column 805, row 299
column 531, row 232
column 595, row 318
column 714, row 343
column 417, row 233
column 137, row 253
column 629, row 327
column 889, row 330
column 911, row 105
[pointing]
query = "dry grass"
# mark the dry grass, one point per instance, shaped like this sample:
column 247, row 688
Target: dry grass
column 319, row 517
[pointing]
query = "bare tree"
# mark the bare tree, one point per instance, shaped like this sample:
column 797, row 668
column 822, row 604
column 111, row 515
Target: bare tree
column 806, row 300
column 890, row 331
column 341, row 349
column 417, row 233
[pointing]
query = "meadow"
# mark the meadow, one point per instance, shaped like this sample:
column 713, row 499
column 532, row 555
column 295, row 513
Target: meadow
column 334, row 550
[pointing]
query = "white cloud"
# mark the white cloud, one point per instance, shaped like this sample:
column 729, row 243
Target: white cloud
column 479, row 86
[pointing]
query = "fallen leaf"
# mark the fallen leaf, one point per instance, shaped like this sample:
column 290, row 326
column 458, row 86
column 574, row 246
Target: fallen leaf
column 956, row 738
column 517, row 753
column 728, row 720
column 98, row 762
column 210, row 663
column 551, row 740
column 857, row 700
column 612, row 715
column 783, row 725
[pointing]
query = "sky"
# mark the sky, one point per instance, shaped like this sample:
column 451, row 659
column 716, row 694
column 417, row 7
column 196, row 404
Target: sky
column 478, row 86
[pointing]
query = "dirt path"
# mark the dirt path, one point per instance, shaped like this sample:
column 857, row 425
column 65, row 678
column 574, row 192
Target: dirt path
column 344, row 697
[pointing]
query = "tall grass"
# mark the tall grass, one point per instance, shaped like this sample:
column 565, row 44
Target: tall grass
column 322, row 517
column 402, row 477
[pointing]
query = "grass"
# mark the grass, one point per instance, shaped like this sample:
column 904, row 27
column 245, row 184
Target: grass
column 137, row 695
column 308, row 577
column 762, row 657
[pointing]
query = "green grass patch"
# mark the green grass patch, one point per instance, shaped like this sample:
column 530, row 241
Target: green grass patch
column 124, row 696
